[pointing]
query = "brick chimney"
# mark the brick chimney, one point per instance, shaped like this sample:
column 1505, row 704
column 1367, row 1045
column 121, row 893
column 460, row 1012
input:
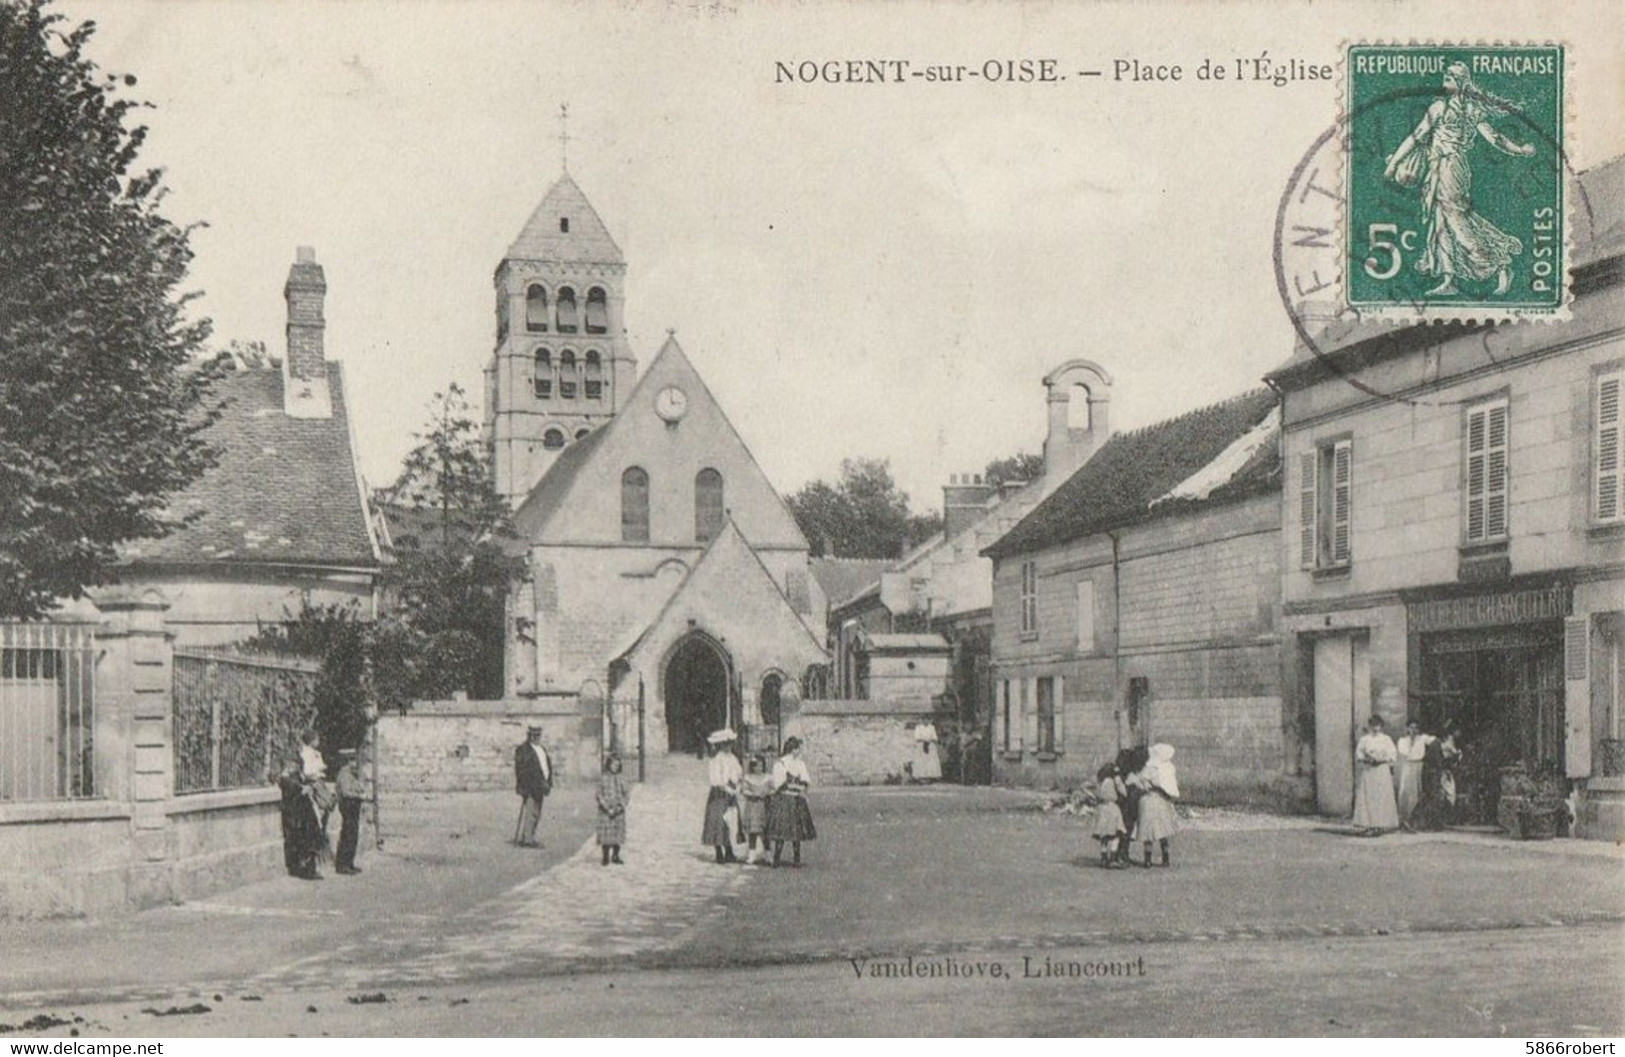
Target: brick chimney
column 1079, row 396
column 304, row 370
column 964, row 501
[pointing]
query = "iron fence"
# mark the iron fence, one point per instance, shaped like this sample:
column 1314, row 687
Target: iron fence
column 237, row 718
column 47, row 712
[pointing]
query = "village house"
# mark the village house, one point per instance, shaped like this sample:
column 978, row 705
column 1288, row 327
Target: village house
column 137, row 748
column 1138, row 603
column 1453, row 540
column 938, row 598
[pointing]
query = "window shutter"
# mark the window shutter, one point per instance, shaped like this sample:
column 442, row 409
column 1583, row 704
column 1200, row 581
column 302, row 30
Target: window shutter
column 1060, row 714
column 1495, row 474
column 1001, row 692
column 1487, row 472
column 1577, row 697
column 1307, row 463
column 1610, row 457
column 1342, row 495
column 1029, row 713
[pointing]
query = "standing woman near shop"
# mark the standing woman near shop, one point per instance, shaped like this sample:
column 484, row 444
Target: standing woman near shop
column 788, row 816
column 1375, row 810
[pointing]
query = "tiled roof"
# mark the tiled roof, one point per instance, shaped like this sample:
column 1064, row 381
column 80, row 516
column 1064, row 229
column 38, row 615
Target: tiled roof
column 842, row 578
column 1119, row 484
column 548, row 493
column 285, row 490
column 587, row 240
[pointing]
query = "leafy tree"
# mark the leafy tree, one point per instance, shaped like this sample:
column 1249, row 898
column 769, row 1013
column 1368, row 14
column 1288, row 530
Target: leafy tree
column 336, row 636
column 102, row 397
column 1018, row 467
column 449, row 579
column 864, row 515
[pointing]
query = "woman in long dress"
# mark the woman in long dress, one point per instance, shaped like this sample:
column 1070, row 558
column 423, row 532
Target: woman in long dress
column 725, row 774
column 1375, row 810
column 1460, row 241
column 612, row 801
column 788, row 816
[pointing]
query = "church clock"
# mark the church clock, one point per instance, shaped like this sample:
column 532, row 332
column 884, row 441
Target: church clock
column 671, row 403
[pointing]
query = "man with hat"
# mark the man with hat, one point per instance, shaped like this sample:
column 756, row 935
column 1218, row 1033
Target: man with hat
column 352, row 790
column 533, row 780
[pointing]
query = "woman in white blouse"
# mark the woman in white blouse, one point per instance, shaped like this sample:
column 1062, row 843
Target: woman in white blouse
column 788, row 816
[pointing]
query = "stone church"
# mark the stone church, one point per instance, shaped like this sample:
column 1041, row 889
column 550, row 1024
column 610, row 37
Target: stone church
column 665, row 575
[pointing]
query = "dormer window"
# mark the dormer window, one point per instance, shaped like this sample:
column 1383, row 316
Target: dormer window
column 536, row 310
column 567, row 310
column 597, row 311
column 567, row 375
column 593, row 377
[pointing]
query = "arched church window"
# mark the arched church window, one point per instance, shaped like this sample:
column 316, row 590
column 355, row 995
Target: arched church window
column 708, row 508
column 593, row 376
column 553, row 439
column 567, row 310
column 542, row 374
column 502, row 316
column 567, row 375
column 772, row 690
column 536, row 309
column 582, row 432
column 635, row 505
column 597, row 311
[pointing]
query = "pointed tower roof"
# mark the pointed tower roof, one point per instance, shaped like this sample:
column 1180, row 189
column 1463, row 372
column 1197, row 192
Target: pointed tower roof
column 565, row 227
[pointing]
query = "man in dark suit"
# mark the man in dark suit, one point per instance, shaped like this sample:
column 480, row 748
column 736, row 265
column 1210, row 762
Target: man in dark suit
column 533, row 780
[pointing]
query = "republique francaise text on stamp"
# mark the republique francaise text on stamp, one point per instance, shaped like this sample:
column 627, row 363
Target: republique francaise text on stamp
column 1454, row 181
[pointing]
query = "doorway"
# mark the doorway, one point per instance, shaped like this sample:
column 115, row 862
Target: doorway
column 695, row 688
column 1342, row 691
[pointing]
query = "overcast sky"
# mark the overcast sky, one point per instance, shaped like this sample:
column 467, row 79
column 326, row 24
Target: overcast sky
column 883, row 270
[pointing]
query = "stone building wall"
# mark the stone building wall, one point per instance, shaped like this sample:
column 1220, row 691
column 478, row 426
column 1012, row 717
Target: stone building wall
column 458, row 746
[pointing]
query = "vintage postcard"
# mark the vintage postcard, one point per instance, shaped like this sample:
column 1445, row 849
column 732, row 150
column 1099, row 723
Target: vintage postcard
column 811, row 519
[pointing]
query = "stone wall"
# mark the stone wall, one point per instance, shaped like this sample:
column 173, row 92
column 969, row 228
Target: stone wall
column 135, row 843
column 456, row 746
column 856, row 742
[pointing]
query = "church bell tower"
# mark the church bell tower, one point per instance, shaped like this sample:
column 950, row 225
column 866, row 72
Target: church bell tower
column 562, row 366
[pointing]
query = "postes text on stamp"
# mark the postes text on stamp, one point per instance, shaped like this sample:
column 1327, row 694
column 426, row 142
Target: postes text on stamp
column 1454, row 184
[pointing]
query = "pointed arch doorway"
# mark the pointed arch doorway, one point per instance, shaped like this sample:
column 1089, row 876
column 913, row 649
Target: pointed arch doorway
column 695, row 685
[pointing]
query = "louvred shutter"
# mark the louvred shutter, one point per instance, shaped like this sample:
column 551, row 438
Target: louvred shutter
column 1610, row 456
column 1342, row 499
column 1306, row 509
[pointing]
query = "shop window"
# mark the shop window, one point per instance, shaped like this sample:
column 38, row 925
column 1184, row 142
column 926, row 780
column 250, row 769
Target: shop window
column 1485, row 517
column 567, row 321
column 542, row 374
column 536, row 310
column 593, row 376
column 597, row 311
column 567, row 375
column 708, row 505
column 1029, row 598
column 553, row 439
column 1609, row 460
column 1326, row 506
column 635, row 505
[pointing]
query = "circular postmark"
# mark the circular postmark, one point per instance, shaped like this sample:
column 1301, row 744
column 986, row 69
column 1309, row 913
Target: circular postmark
column 1382, row 232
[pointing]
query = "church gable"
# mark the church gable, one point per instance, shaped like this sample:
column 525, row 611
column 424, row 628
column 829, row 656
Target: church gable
column 665, row 472
column 731, row 596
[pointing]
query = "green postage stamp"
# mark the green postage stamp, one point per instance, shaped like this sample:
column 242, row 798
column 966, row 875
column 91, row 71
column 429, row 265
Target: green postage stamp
column 1454, row 178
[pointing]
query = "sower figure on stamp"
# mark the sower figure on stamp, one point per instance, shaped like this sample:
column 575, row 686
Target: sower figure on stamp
column 1460, row 241
column 533, row 780
column 352, row 791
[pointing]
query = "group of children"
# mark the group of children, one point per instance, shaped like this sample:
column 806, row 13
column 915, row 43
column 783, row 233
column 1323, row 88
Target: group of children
column 758, row 806
column 1137, row 794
